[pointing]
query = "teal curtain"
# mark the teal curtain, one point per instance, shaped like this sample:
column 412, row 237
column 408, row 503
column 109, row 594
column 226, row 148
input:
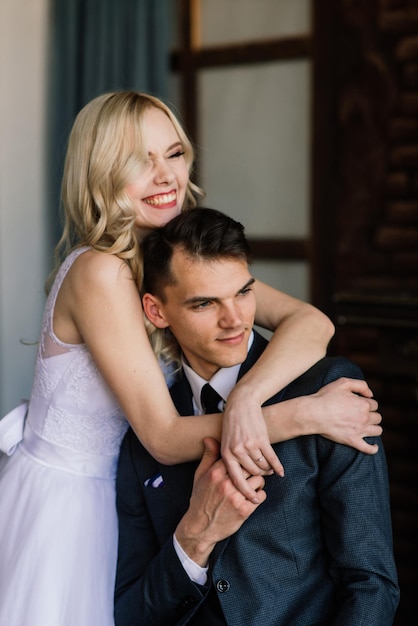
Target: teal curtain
column 98, row 46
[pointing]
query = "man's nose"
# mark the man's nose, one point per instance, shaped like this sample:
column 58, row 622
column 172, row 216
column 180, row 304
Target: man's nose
column 230, row 317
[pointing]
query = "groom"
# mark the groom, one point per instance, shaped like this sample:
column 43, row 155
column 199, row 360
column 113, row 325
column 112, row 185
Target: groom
column 192, row 550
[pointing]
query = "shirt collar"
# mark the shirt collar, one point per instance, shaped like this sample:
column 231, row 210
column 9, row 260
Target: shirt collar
column 223, row 381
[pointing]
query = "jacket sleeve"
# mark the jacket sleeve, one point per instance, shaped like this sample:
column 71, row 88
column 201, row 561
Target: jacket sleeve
column 355, row 508
column 151, row 585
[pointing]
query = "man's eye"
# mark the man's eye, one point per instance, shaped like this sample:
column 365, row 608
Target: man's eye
column 244, row 292
column 202, row 305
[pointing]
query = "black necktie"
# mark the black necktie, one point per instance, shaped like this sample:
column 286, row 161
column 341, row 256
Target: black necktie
column 210, row 399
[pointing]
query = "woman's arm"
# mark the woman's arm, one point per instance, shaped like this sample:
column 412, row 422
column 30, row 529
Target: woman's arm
column 344, row 411
column 98, row 304
column 301, row 336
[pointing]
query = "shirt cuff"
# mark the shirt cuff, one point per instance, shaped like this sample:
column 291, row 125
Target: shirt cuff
column 196, row 573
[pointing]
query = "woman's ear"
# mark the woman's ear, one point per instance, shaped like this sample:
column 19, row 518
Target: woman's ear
column 154, row 310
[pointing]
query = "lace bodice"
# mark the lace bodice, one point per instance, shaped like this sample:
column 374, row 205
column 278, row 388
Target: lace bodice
column 71, row 405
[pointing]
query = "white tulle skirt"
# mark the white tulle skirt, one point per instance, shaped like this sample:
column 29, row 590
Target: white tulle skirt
column 58, row 543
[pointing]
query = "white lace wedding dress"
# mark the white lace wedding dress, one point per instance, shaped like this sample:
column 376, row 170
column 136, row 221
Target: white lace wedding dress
column 58, row 523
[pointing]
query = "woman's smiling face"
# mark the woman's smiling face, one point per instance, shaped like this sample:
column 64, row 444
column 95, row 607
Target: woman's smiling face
column 158, row 191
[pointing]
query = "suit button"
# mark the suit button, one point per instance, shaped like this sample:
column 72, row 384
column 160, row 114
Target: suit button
column 222, row 586
column 186, row 604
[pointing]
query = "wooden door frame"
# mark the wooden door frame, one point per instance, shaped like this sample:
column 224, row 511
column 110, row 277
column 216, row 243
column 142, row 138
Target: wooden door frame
column 191, row 58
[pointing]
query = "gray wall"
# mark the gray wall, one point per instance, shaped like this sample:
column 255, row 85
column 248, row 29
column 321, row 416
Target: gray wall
column 23, row 249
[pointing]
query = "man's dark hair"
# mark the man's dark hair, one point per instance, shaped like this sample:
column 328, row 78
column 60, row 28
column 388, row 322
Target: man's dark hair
column 201, row 233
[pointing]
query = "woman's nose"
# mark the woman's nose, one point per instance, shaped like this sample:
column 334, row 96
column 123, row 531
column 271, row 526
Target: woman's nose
column 163, row 172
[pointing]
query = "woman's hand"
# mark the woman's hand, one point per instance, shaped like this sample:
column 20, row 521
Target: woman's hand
column 346, row 412
column 245, row 441
column 343, row 411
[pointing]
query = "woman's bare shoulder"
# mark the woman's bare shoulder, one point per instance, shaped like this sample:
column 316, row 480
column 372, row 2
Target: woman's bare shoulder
column 98, row 269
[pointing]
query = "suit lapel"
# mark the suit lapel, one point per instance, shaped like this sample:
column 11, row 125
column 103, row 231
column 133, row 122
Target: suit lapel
column 258, row 347
column 181, row 394
column 179, row 478
column 178, row 481
column 256, row 350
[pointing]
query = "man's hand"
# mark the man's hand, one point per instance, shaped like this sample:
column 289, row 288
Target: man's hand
column 217, row 508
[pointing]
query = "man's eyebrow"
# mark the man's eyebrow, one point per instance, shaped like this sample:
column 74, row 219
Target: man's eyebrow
column 197, row 299
column 248, row 284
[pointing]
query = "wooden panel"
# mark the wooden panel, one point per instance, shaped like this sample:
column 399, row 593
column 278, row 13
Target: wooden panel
column 247, row 53
column 366, row 228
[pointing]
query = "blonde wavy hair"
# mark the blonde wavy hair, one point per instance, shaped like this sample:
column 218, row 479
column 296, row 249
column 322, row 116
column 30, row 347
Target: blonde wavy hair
column 106, row 150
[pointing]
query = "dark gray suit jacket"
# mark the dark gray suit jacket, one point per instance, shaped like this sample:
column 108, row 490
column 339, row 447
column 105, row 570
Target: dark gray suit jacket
column 317, row 551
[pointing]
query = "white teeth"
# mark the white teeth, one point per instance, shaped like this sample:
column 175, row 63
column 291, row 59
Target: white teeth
column 163, row 199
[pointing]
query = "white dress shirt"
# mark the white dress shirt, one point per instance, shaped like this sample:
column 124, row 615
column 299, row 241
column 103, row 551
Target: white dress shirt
column 223, row 382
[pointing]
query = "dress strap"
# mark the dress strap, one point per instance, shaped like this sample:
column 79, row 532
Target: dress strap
column 50, row 345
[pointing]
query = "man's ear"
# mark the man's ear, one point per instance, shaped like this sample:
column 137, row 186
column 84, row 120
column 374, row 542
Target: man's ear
column 154, row 310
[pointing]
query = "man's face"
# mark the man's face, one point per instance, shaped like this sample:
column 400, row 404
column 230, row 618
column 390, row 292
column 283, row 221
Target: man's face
column 210, row 310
